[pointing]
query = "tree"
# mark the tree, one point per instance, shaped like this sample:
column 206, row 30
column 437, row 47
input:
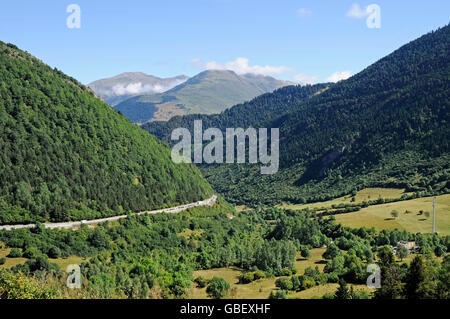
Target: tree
column 19, row 286
column 218, row 288
column 54, row 252
column 279, row 294
column 284, row 284
column 305, row 252
column 440, row 250
column 15, row 253
column 419, row 283
column 342, row 292
column 332, row 252
column 394, row 213
column 402, row 252
column 391, row 275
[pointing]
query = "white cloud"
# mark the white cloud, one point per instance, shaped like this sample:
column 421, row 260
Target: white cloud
column 356, row 12
column 302, row 12
column 338, row 76
column 137, row 88
column 303, row 79
column 241, row 66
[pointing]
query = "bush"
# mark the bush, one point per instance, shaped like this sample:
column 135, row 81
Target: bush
column 201, row 282
column 247, row 278
column 15, row 253
column 331, row 252
column 2, row 261
column 284, row 284
column 259, row 274
column 333, row 277
column 279, row 294
column 307, row 283
column 31, row 252
column 54, row 252
column 286, row 272
column 218, row 288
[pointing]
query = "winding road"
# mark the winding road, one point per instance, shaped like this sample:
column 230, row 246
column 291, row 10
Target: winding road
column 173, row 210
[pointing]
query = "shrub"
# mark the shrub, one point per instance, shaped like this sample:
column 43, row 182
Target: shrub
column 279, row 294
column 259, row 274
column 284, row 284
column 15, row 253
column 286, row 272
column 218, row 288
column 246, row 278
column 54, row 252
column 201, row 282
column 30, row 252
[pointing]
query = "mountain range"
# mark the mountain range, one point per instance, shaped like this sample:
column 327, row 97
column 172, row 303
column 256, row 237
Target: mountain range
column 126, row 85
column 386, row 126
column 209, row 92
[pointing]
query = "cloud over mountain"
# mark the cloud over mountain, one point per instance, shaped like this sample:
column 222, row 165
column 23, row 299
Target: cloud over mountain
column 241, row 66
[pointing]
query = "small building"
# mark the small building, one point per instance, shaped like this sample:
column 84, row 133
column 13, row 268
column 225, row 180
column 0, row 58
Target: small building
column 410, row 245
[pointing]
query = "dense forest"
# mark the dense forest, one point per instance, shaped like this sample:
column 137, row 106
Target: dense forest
column 66, row 155
column 154, row 256
column 386, row 126
column 243, row 115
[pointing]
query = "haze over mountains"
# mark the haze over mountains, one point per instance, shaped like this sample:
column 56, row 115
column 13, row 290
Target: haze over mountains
column 123, row 86
column 209, row 92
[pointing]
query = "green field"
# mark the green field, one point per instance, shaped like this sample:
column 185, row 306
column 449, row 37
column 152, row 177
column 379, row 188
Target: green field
column 61, row 262
column 10, row 262
column 380, row 217
column 363, row 195
column 260, row 289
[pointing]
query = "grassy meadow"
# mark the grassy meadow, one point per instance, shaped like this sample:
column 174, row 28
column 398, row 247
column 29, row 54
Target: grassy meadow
column 380, row 216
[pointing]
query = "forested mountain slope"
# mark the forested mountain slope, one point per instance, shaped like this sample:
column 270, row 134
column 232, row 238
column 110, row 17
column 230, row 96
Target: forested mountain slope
column 260, row 109
column 64, row 154
column 386, row 126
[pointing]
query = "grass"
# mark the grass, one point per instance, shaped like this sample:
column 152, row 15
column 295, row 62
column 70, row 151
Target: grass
column 315, row 260
column 61, row 262
column 259, row 289
column 362, row 195
column 318, row 291
column 10, row 262
column 64, row 262
column 380, row 217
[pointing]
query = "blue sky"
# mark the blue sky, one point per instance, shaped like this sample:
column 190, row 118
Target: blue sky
column 306, row 40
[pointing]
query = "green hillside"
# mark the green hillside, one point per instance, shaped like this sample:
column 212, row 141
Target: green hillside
column 206, row 93
column 386, row 126
column 260, row 109
column 67, row 155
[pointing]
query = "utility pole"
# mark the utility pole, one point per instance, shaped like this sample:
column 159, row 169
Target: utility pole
column 434, row 215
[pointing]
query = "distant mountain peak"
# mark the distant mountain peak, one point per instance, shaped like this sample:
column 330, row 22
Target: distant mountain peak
column 210, row 91
column 123, row 86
